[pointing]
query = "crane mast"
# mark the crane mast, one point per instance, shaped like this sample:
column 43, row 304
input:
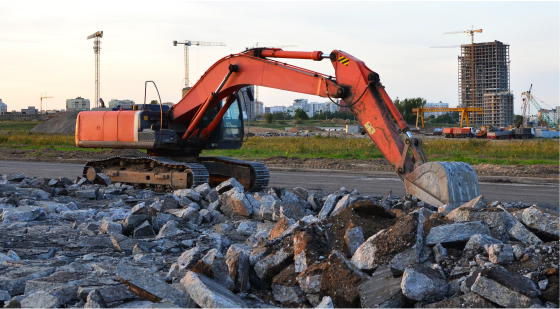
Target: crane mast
column 188, row 43
column 96, row 49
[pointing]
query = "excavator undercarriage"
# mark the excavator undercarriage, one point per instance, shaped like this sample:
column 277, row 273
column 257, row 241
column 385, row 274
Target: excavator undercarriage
column 166, row 174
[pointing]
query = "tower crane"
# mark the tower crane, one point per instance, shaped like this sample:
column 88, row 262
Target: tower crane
column 96, row 49
column 44, row 97
column 471, row 33
column 188, row 43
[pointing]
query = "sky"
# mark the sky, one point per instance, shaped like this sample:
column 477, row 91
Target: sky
column 43, row 45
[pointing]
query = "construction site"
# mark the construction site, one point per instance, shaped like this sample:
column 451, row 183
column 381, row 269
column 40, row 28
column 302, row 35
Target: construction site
column 202, row 204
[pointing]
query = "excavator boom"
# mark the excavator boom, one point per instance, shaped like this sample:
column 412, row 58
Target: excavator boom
column 359, row 88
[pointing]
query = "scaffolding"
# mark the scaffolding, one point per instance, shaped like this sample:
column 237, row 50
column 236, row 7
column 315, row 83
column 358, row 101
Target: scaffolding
column 490, row 65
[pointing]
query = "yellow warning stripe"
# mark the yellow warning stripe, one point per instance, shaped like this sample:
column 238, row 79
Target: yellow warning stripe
column 343, row 60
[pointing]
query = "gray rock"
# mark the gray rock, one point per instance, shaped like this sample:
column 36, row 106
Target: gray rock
column 192, row 215
column 269, row 205
column 50, row 207
column 247, row 228
column 188, row 193
column 342, row 204
column 313, row 299
column 422, row 283
column 235, row 204
column 14, row 281
column 23, row 213
column 145, row 194
column 104, row 179
column 518, row 251
column 520, row 233
column 505, row 289
column 382, row 290
column 144, row 230
column 457, row 232
column 77, row 215
column 4, row 296
column 171, row 228
column 203, row 189
column 543, row 221
column 15, row 177
column 292, row 210
column 440, row 253
column 40, row 299
column 255, row 204
column 207, row 293
column 140, row 209
column 328, row 206
column 228, row 185
column 354, row 238
column 91, row 229
column 237, row 261
column 469, row 300
column 110, row 227
column 500, row 254
column 189, row 258
column 123, row 244
column 496, row 220
column 271, row 264
column 480, row 241
column 314, row 202
column 326, row 302
column 302, row 193
column 213, row 265
column 288, row 294
column 147, row 286
column 88, row 194
column 95, row 300
column 309, row 284
column 212, row 196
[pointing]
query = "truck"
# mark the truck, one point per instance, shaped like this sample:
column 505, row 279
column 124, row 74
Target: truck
column 447, row 132
column 463, row 132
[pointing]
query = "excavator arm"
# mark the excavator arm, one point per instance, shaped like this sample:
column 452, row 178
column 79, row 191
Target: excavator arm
column 437, row 183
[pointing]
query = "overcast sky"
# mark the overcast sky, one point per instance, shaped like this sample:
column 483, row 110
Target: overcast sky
column 43, row 46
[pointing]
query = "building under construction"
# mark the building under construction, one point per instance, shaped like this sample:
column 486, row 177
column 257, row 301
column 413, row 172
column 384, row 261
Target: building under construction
column 488, row 63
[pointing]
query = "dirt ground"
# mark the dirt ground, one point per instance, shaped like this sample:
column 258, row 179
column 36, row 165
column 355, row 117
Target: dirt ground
column 50, row 155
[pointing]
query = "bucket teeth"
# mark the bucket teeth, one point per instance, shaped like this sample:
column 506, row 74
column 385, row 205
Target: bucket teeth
column 443, row 183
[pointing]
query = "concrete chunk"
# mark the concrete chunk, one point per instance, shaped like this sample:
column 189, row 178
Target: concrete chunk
column 328, row 206
column 207, row 293
column 23, row 213
column 382, row 290
column 500, row 294
column 354, row 238
column 214, row 266
column 235, row 204
column 541, row 221
column 520, row 233
column 147, row 286
column 457, row 232
column 228, row 185
column 500, row 254
column 422, row 283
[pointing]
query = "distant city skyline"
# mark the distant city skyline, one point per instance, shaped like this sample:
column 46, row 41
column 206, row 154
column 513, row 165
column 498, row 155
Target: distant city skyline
column 45, row 50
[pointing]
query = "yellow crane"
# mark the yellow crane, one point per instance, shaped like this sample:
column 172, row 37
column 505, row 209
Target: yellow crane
column 464, row 112
column 43, row 97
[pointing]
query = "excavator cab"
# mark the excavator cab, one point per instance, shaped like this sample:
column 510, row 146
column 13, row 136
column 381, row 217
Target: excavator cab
column 230, row 132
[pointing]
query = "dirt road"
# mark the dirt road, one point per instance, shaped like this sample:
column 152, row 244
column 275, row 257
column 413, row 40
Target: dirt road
column 371, row 183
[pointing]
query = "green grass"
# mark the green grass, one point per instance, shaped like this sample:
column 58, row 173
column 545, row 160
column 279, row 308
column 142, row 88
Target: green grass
column 471, row 151
column 17, row 125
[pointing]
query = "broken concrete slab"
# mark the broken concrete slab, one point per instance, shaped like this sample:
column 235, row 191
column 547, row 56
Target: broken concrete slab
column 506, row 289
column 110, row 227
column 237, row 262
column 382, row 290
column 95, row 300
column 328, row 206
column 500, row 254
column 457, row 232
column 207, row 293
column 288, row 295
column 545, row 222
column 342, row 204
column 228, row 185
column 23, row 213
column 271, row 264
column 40, row 299
column 122, row 243
column 147, row 286
column 213, row 265
column 422, row 283
column 235, row 204
column 520, row 233
column 14, row 281
column 190, row 257
column 354, row 238
column 469, row 300
column 480, row 241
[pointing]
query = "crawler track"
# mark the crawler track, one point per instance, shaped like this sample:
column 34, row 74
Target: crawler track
column 166, row 174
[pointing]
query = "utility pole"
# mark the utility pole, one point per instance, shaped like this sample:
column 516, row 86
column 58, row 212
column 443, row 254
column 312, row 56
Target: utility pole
column 188, row 43
column 96, row 49
column 43, row 97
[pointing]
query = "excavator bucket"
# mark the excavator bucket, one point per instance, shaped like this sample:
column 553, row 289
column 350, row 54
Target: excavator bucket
column 443, row 183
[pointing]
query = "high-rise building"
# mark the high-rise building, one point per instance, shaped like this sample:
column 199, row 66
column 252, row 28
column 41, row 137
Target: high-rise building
column 486, row 67
column 3, row 107
column 30, row 110
column 77, row 104
column 246, row 96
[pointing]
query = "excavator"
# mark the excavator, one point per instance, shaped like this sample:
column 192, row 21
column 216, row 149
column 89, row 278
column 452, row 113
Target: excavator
column 210, row 116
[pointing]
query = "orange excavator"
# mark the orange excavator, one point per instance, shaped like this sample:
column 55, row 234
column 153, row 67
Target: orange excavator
column 210, row 116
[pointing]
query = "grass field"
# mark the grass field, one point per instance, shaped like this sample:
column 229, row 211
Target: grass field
column 15, row 134
column 471, row 151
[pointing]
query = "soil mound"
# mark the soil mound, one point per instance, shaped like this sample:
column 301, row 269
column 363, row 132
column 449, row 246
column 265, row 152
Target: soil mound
column 62, row 123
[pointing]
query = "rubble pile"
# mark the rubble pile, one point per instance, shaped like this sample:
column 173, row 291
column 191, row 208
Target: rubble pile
column 76, row 244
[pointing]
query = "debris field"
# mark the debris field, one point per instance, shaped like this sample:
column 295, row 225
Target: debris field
column 70, row 243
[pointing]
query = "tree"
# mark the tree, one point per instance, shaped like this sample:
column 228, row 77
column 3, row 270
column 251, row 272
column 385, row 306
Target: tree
column 268, row 118
column 301, row 114
column 518, row 121
column 154, row 102
column 405, row 108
